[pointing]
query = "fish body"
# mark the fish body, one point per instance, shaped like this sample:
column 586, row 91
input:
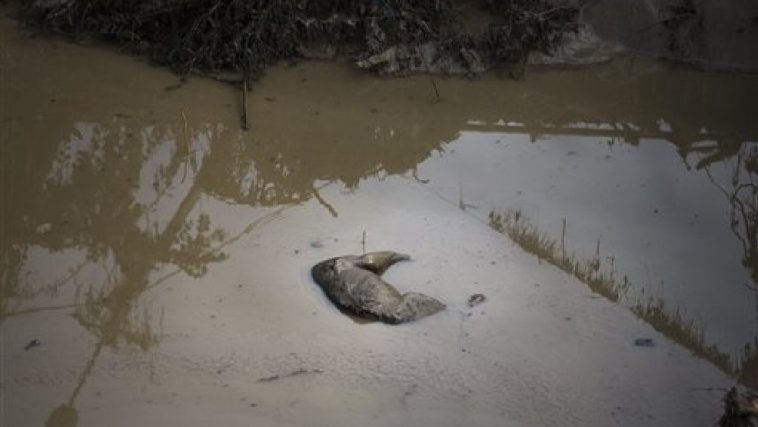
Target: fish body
column 354, row 284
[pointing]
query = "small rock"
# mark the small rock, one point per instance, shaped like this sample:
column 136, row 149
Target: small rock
column 31, row 344
column 644, row 342
column 476, row 299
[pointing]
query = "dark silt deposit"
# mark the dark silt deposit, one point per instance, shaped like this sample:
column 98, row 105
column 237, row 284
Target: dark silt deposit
column 244, row 37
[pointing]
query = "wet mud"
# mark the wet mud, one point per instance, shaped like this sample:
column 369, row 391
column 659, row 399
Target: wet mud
column 158, row 257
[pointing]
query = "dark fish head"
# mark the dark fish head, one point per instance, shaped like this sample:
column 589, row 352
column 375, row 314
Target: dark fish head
column 325, row 273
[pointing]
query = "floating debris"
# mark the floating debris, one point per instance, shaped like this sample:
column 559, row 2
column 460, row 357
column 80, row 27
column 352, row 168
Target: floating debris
column 291, row 374
column 33, row 343
column 476, row 299
column 644, row 342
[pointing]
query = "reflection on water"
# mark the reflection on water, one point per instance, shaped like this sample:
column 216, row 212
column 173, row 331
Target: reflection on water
column 103, row 184
column 84, row 199
column 513, row 224
column 741, row 193
column 638, row 225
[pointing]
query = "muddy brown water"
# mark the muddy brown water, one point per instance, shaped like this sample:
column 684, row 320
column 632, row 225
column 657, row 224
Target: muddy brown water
column 160, row 255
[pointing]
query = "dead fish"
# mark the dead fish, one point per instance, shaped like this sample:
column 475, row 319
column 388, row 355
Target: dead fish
column 353, row 283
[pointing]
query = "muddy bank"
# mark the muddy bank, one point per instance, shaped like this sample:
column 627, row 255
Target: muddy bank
column 399, row 37
column 716, row 35
column 246, row 37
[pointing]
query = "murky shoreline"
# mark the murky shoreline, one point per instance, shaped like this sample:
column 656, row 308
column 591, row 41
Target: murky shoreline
column 146, row 240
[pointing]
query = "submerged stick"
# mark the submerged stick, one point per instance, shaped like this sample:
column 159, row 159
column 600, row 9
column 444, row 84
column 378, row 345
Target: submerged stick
column 563, row 241
column 324, row 203
column 245, row 124
column 186, row 131
column 436, row 92
column 300, row 371
column 186, row 143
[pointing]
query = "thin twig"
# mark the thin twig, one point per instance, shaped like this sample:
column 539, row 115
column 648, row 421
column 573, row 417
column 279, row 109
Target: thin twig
column 414, row 174
column 549, row 11
column 186, row 143
column 245, row 123
column 324, row 203
column 563, row 240
column 363, row 242
column 436, row 92
column 38, row 309
column 300, row 371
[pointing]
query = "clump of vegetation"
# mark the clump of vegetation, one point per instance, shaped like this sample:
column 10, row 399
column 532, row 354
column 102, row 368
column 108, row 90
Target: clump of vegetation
column 740, row 409
column 748, row 369
column 246, row 36
column 683, row 27
column 525, row 26
column 671, row 323
column 513, row 224
column 688, row 334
